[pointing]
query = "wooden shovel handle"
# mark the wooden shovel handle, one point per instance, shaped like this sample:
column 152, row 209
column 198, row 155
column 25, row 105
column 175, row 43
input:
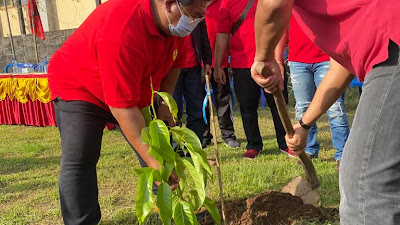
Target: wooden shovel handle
column 287, row 124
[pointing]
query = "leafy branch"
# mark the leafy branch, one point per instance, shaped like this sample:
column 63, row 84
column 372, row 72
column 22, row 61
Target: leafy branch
column 182, row 203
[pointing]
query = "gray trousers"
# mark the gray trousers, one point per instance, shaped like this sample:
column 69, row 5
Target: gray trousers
column 369, row 179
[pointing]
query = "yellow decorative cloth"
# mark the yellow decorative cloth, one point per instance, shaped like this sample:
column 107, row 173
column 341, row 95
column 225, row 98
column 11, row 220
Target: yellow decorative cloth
column 22, row 88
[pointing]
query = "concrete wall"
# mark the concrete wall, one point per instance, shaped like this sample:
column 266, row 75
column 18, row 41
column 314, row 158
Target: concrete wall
column 25, row 49
column 81, row 10
column 55, row 15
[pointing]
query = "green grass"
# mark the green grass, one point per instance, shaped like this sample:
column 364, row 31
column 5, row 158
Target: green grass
column 29, row 166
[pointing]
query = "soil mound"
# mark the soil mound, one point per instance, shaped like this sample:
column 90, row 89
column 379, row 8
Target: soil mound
column 273, row 208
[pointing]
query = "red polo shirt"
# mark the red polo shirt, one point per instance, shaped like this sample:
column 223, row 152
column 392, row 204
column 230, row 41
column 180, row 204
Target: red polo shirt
column 211, row 17
column 109, row 59
column 191, row 56
column 355, row 33
column 301, row 48
column 242, row 44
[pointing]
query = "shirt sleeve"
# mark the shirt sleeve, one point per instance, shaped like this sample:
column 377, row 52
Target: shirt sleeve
column 224, row 20
column 121, row 69
column 181, row 58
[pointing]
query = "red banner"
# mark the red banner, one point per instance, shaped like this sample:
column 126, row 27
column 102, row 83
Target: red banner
column 37, row 22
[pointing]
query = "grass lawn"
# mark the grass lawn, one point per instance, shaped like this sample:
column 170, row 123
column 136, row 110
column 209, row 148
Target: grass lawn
column 29, row 167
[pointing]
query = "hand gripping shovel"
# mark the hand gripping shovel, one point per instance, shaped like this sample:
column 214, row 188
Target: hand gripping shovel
column 298, row 186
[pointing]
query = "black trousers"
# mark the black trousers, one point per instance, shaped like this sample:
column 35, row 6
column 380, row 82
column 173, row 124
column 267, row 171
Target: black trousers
column 189, row 86
column 81, row 126
column 248, row 94
column 222, row 98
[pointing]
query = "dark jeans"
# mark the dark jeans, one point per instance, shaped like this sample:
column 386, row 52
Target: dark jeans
column 222, row 96
column 369, row 179
column 190, row 87
column 81, row 126
column 248, row 94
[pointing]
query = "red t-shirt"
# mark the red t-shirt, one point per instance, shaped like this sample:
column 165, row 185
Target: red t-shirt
column 109, row 59
column 242, row 44
column 211, row 17
column 191, row 56
column 301, row 48
column 355, row 33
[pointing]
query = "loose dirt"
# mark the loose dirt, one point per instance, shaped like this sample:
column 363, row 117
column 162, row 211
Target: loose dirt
column 274, row 208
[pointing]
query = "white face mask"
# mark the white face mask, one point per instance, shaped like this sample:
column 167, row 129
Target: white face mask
column 185, row 25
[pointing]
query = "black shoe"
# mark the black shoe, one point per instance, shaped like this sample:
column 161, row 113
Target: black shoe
column 206, row 142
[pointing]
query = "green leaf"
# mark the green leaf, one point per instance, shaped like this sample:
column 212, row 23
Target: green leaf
column 166, row 171
column 190, row 215
column 157, row 176
column 194, row 200
column 155, row 154
column 192, row 143
column 188, row 136
column 140, row 171
column 146, row 115
column 164, row 202
column 144, row 198
column 180, row 171
column 160, row 141
column 213, row 210
column 197, row 178
column 180, row 216
column 169, row 100
column 145, row 136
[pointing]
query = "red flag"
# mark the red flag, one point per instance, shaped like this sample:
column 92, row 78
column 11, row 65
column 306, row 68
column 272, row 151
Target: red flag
column 36, row 18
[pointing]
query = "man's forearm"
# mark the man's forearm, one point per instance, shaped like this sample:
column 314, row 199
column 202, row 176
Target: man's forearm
column 336, row 80
column 280, row 48
column 132, row 122
column 221, row 45
column 272, row 19
column 169, row 81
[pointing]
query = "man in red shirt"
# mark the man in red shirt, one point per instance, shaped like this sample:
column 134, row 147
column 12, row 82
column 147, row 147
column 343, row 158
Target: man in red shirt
column 308, row 66
column 221, row 92
column 104, row 71
column 242, row 50
column 361, row 37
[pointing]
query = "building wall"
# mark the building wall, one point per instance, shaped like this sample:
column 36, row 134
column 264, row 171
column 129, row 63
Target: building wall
column 25, row 49
column 55, row 15
column 71, row 14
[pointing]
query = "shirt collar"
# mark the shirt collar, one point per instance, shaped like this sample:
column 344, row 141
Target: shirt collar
column 149, row 19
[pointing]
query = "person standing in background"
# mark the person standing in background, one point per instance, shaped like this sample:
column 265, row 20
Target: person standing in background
column 189, row 84
column 242, row 50
column 308, row 66
column 222, row 93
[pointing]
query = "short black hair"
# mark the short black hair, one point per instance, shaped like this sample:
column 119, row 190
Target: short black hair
column 189, row 2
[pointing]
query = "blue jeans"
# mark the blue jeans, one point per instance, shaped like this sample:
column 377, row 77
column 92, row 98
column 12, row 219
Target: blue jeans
column 369, row 178
column 305, row 79
column 189, row 85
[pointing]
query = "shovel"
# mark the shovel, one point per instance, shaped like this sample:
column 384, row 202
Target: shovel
column 304, row 188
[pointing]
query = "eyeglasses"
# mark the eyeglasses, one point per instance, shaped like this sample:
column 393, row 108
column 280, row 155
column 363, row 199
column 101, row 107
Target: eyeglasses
column 189, row 15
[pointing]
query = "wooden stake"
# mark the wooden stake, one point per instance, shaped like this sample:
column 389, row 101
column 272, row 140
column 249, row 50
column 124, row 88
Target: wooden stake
column 9, row 29
column 213, row 130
